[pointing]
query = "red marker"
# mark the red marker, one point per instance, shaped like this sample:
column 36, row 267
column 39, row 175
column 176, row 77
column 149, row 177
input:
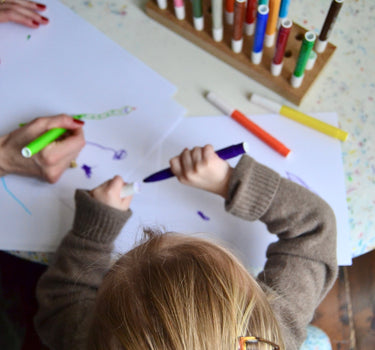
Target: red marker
column 248, row 124
column 251, row 15
column 282, row 39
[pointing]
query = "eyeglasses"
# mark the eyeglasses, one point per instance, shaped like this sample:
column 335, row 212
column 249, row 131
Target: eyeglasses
column 255, row 340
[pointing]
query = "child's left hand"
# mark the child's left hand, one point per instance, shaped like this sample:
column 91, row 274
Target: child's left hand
column 109, row 193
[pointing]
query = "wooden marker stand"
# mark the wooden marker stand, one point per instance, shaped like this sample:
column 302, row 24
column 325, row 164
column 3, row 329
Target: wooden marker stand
column 242, row 61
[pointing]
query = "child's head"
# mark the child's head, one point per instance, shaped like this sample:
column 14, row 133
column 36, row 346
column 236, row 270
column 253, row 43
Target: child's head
column 177, row 292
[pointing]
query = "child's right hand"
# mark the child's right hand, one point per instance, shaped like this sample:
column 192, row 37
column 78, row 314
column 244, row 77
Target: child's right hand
column 201, row 167
column 109, row 193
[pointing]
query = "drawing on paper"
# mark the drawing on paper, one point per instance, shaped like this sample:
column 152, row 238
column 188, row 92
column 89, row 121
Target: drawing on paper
column 110, row 113
column 298, row 180
column 203, row 216
column 14, row 196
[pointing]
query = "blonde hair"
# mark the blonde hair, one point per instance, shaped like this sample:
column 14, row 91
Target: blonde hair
column 176, row 292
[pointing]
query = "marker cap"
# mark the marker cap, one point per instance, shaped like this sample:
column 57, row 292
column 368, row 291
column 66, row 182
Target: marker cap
column 269, row 40
column 130, row 189
column 276, row 69
column 256, row 57
column 320, row 45
column 296, row 81
column 26, row 152
column 162, row 4
column 267, row 104
column 198, row 23
column 249, row 28
column 218, row 103
column 229, row 17
column 237, row 45
column 217, row 34
column 180, row 12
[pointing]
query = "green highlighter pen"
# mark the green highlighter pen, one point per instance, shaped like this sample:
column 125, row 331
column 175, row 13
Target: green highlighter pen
column 43, row 140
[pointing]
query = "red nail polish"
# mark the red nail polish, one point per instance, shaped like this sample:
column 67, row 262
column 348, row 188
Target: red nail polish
column 45, row 18
column 77, row 121
column 41, row 6
column 36, row 23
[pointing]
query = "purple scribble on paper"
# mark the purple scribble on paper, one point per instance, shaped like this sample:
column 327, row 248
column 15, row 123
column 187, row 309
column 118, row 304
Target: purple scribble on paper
column 204, row 217
column 117, row 154
column 87, row 170
column 298, row 180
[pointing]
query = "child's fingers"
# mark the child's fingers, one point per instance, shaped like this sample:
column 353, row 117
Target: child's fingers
column 207, row 152
column 186, row 162
column 196, row 156
column 175, row 165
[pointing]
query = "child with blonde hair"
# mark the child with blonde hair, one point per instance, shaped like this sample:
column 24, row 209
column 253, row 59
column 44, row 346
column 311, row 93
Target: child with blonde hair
column 180, row 292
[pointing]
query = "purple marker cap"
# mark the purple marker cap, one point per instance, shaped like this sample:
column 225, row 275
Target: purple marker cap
column 225, row 153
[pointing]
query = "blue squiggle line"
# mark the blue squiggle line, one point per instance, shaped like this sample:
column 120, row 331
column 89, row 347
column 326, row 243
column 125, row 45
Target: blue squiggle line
column 120, row 154
column 14, row 197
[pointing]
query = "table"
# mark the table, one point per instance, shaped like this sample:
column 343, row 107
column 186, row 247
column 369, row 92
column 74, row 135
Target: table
column 346, row 85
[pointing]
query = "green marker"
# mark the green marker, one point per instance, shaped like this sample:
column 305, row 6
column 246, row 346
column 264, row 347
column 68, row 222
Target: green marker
column 304, row 54
column 44, row 140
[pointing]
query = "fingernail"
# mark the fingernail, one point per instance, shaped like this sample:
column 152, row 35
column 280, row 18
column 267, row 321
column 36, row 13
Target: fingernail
column 36, row 23
column 77, row 121
column 41, row 6
column 45, row 18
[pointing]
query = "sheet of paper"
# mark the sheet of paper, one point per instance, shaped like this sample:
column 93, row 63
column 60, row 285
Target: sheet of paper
column 315, row 162
column 69, row 66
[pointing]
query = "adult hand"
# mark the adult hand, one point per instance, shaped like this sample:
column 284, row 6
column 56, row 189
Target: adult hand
column 202, row 168
column 52, row 161
column 22, row 12
column 109, row 193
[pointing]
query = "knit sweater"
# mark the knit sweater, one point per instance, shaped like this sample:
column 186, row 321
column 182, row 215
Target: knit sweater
column 300, row 269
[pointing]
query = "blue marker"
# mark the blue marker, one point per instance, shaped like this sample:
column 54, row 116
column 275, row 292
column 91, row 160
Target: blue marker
column 283, row 13
column 225, row 153
column 260, row 29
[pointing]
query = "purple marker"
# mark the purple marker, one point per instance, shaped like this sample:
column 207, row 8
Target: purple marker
column 225, row 153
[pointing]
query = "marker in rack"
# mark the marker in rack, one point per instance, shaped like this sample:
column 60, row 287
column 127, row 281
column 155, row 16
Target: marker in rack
column 225, row 153
column 198, row 18
column 260, row 29
column 163, row 4
column 299, row 117
column 283, row 13
column 229, row 11
column 256, row 130
column 304, row 54
column 329, row 22
column 217, row 19
column 271, row 29
column 251, row 14
column 239, row 15
column 179, row 9
column 282, row 39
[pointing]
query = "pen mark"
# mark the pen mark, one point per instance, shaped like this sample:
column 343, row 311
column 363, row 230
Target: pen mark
column 14, row 197
column 28, row 37
column 298, row 180
column 110, row 113
column 204, row 217
column 87, row 169
column 117, row 154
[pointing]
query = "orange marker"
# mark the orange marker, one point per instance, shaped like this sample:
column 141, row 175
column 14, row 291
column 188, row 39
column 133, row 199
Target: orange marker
column 248, row 124
column 273, row 17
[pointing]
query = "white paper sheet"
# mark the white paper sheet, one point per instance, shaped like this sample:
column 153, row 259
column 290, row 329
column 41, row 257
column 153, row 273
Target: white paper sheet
column 315, row 162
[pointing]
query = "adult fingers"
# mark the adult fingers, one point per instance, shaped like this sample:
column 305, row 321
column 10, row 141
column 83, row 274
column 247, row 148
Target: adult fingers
column 10, row 11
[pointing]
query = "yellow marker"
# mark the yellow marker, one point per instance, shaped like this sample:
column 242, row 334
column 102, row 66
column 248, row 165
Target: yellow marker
column 299, row 117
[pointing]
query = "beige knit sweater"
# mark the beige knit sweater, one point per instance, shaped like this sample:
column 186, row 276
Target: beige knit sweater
column 301, row 266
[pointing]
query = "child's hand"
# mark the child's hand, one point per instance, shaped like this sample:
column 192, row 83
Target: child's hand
column 202, row 168
column 109, row 193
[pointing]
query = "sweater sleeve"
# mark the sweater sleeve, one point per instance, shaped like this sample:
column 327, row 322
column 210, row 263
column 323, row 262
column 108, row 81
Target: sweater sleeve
column 301, row 266
column 66, row 291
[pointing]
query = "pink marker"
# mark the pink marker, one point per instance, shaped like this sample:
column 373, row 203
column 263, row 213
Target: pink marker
column 179, row 8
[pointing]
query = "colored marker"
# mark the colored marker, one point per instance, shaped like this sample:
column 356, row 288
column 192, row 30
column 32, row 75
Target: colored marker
column 304, row 54
column 130, row 189
column 225, row 153
column 229, row 11
column 251, row 13
column 239, row 16
column 329, row 22
column 263, row 2
column 248, row 124
column 299, row 117
column 311, row 61
column 179, row 9
column 282, row 39
column 43, row 141
column 271, row 29
column 217, row 19
column 260, row 29
column 198, row 18
column 283, row 13
column 162, row 4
